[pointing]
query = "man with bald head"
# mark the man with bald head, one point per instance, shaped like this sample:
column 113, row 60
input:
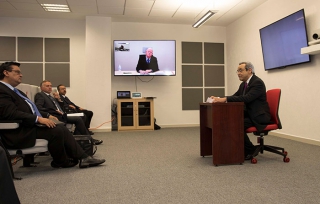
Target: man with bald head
column 147, row 63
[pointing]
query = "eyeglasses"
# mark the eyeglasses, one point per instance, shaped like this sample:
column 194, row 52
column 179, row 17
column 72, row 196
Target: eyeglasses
column 17, row 71
column 240, row 71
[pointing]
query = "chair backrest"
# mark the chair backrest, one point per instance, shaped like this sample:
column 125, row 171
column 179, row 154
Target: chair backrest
column 273, row 98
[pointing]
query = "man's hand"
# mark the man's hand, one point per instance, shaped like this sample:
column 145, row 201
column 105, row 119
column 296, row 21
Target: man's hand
column 53, row 117
column 47, row 122
column 59, row 112
column 218, row 99
column 72, row 106
column 56, row 96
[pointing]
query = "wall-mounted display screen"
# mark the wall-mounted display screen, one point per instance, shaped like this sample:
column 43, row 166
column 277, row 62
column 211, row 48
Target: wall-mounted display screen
column 144, row 57
column 282, row 42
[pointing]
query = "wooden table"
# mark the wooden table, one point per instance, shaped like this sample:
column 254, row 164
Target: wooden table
column 222, row 132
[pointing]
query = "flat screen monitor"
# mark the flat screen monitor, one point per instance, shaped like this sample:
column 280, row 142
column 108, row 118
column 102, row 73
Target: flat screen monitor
column 130, row 57
column 282, row 41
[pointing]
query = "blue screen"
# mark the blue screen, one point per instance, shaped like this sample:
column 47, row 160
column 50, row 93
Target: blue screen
column 282, row 42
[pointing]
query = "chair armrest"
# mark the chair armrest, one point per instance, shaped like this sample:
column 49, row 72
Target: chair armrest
column 9, row 124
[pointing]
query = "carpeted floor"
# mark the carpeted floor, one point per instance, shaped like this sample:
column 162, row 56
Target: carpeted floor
column 165, row 166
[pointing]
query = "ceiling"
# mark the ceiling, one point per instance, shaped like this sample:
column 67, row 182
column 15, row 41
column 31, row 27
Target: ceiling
column 145, row 11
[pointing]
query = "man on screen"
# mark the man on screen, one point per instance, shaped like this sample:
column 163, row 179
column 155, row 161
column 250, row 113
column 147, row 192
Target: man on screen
column 147, row 63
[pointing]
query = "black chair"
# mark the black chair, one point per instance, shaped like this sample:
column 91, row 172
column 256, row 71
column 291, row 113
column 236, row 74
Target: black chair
column 27, row 154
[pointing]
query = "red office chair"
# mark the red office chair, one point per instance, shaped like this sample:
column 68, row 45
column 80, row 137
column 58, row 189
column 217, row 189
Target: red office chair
column 273, row 98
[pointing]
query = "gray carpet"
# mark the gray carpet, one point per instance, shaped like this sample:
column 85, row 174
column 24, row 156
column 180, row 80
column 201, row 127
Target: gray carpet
column 165, row 166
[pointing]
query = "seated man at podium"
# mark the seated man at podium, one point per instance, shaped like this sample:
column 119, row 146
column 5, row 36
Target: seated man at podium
column 147, row 63
column 252, row 91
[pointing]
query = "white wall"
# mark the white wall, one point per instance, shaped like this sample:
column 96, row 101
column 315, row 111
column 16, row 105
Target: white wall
column 168, row 90
column 90, row 57
column 92, row 83
column 300, row 84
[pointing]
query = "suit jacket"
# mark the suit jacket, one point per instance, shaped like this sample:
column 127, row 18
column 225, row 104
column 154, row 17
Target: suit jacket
column 143, row 65
column 255, row 100
column 67, row 101
column 45, row 104
column 13, row 107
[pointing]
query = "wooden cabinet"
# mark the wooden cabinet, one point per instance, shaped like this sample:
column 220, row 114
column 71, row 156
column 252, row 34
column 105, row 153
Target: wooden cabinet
column 135, row 114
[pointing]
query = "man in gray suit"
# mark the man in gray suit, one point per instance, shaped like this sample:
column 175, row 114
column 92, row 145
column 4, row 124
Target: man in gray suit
column 47, row 103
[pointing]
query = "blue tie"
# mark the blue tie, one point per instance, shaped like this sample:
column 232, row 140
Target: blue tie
column 35, row 109
column 148, row 60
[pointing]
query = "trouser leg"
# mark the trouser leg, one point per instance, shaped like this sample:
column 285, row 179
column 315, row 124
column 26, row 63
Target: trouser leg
column 89, row 115
column 72, row 147
column 55, row 137
column 80, row 127
column 248, row 146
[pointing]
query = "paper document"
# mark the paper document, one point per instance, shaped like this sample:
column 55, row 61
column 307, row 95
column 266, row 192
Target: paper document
column 74, row 114
column 209, row 100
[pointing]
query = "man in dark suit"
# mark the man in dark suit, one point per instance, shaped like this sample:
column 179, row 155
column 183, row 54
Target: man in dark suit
column 73, row 107
column 46, row 103
column 252, row 91
column 15, row 105
column 147, row 63
column 7, row 190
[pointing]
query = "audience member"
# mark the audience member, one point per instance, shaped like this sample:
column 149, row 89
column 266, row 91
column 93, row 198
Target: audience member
column 73, row 107
column 8, row 194
column 45, row 102
column 147, row 63
column 15, row 105
column 252, row 91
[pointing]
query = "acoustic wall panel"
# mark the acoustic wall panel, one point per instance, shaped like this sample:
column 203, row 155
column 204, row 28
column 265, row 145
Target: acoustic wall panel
column 219, row 92
column 192, row 76
column 58, row 74
column 30, row 49
column 57, row 49
column 214, row 75
column 192, row 52
column 191, row 97
column 204, row 78
column 30, row 52
column 214, row 53
column 32, row 73
column 7, row 48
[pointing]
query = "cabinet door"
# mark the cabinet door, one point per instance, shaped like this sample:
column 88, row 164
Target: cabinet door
column 145, row 118
column 126, row 115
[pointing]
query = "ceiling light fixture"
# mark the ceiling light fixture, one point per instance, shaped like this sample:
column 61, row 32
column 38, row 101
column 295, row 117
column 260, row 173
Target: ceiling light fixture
column 55, row 7
column 204, row 18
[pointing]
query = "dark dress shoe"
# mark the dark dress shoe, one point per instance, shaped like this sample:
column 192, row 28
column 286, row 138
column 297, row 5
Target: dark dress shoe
column 90, row 161
column 97, row 142
column 248, row 157
column 69, row 163
column 254, row 153
column 91, row 133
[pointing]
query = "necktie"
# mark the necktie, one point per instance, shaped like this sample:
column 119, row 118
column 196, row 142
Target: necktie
column 148, row 60
column 55, row 103
column 245, row 87
column 34, row 107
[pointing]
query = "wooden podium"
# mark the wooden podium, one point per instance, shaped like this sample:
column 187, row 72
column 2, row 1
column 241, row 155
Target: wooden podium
column 221, row 132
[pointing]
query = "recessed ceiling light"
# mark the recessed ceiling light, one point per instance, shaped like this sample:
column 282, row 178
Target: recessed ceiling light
column 55, row 7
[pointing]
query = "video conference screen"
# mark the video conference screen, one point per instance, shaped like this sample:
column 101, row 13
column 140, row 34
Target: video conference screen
column 144, row 57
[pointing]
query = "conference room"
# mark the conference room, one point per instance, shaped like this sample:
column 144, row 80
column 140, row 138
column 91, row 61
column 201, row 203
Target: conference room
column 165, row 166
